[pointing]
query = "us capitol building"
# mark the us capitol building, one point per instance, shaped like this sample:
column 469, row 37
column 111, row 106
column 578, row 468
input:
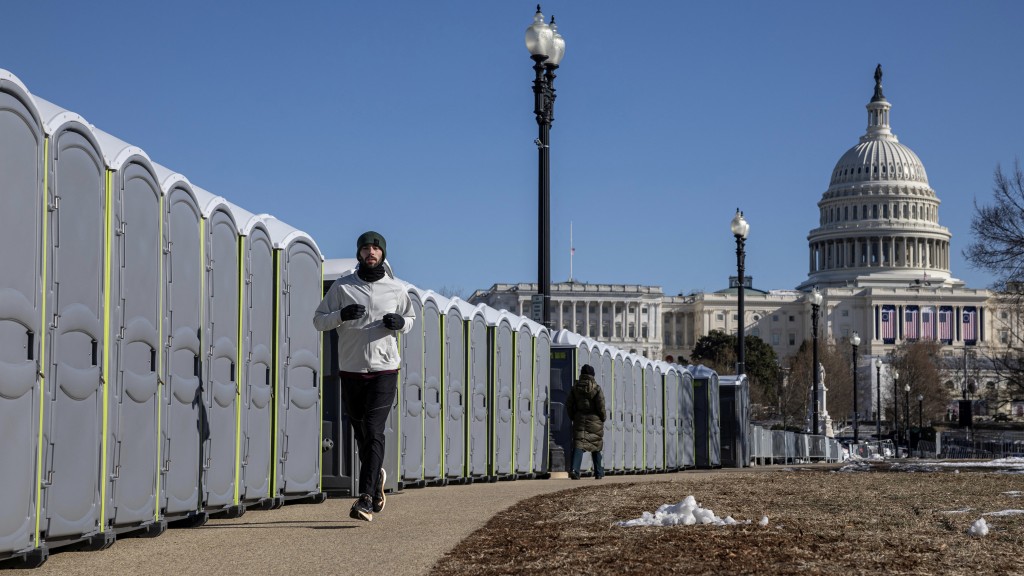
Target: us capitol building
column 878, row 256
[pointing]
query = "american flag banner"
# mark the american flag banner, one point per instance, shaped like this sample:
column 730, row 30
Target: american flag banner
column 928, row 323
column 888, row 324
column 946, row 324
column 910, row 323
column 970, row 325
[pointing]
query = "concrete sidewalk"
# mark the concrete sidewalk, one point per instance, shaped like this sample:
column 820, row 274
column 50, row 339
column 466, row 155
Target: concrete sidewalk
column 415, row 529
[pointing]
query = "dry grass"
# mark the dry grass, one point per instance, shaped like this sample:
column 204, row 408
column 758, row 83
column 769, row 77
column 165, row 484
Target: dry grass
column 820, row 522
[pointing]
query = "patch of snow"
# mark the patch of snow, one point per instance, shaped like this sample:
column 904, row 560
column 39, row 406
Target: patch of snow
column 979, row 529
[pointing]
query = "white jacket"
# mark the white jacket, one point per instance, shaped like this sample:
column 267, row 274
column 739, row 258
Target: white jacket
column 364, row 344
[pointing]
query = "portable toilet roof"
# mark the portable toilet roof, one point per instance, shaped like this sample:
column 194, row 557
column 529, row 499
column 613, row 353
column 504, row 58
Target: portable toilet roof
column 701, row 371
column 282, row 234
column 54, row 117
column 168, row 179
column 535, row 327
column 117, row 152
column 731, row 380
column 493, row 316
column 461, row 307
column 441, row 301
column 245, row 221
column 208, row 201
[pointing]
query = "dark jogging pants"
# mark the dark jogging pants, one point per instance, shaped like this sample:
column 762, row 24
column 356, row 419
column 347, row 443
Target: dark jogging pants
column 368, row 402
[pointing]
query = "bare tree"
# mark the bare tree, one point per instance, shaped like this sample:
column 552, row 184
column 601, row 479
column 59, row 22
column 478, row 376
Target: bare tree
column 920, row 366
column 998, row 247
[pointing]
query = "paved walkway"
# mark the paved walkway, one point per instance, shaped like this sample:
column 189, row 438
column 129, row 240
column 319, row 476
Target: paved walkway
column 415, row 529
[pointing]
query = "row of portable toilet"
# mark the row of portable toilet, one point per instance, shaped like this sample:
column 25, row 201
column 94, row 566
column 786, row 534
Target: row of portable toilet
column 472, row 400
column 157, row 356
column 659, row 416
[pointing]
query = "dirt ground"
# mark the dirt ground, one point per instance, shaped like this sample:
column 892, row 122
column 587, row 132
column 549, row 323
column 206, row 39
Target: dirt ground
column 872, row 519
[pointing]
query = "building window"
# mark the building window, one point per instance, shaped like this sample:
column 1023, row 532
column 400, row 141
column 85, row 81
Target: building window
column 618, row 329
column 721, row 316
column 643, row 310
column 792, row 339
column 792, row 318
column 1004, row 337
column 593, row 331
column 775, row 338
column 755, row 333
column 845, row 313
column 632, row 330
column 1004, row 315
column 735, row 317
column 643, row 330
column 605, row 331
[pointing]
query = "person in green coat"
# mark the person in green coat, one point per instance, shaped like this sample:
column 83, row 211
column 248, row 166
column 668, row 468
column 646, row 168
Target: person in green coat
column 586, row 410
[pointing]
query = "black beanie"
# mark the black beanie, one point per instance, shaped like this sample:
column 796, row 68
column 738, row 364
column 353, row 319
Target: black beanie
column 587, row 370
column 374, row 238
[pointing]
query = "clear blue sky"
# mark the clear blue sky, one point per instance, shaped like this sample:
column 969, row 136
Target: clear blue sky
column 415, row 119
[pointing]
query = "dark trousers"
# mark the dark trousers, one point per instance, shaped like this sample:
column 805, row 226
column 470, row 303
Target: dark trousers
column 367, row 403
column 577, row 461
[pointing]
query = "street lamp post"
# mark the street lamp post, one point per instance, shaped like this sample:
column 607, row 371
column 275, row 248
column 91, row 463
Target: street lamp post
column 546, row 48
column 815, row 299
column 855, row 341
column 906, row 414
column 740, row 229
column 896, row 410
column 878, row 401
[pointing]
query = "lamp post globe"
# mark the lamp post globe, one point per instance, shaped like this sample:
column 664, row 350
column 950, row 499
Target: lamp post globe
column 740, row 228
column 855, row 342
column 815, row 299
column 546, row 47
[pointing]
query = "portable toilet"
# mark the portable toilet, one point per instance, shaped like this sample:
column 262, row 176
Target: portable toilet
column 75, row 341
column 569, row 352
column 182, row 400
column 501, row 393
column 541, row 398
column 23, row 236
column 477, row 386
column 456, row 317
column 707, row 448
column 339, row 459
column 298, row 289
column 134, row 307
column 603, row 354
column 654, row 446
column 636, row 413
column 218, row 365
column 433, row 388
column 671, row 418
column 734, row 395
column 410, row 396
column 615, row 445
column 686, row 432
column 255, row 360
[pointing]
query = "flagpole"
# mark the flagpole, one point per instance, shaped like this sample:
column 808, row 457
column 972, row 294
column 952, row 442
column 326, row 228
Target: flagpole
column 572, row 250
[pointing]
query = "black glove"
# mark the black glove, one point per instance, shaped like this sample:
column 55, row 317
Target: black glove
column 352, row 312
column 393, row 321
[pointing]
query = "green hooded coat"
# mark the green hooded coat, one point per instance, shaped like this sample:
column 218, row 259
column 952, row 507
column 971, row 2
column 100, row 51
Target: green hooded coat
column 586, row 410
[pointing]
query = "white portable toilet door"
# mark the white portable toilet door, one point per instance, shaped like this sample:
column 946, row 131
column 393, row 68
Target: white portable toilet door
column 412, row 398
column 541, row 395
column 301, row 285
column 75, row 342
column 180, row 452
column 639, row 426
column 502, row 395
column 479, row 407
column 22, row 168
column 136, row 347
column 222, row 352
column 433, row 440
column 615, row 444
column 523, row 406
column 455, row 420
column 671, row 411
column 257, row 356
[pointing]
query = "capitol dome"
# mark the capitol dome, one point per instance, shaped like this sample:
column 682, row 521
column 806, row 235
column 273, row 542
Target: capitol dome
column 879, row 219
